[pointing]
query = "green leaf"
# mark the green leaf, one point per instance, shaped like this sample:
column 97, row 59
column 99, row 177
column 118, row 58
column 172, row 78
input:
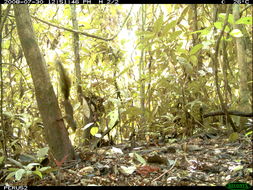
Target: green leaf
column 43, row 169
column 249, row 133
column 188, row 68
column 10, row 175
column 236, row 33
column 195, row 49
column 30, row 166
column 174, row 35
column 218, row 25
column 158, row 24
column 183, row 13
column 114, row 116
column 237, row 168
column 93, row 131
column 12, row 169
column 37, row 172
column 203, row 32
column 230, row 17
column 42, row 152
column 168, row 26
column 19, row 174
column 244, row 20
column 194, row 60
column 140, row 158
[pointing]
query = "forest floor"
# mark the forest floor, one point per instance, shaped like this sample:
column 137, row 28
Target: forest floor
column 207, row 160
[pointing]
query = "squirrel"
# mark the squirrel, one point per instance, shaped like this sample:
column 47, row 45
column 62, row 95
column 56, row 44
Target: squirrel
column 65, row 84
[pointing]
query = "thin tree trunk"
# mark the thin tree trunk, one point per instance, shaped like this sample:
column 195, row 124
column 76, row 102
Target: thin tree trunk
column 244, row 93
column 56, row 134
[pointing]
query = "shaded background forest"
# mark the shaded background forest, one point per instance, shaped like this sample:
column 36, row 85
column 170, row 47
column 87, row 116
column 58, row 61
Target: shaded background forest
column 142, row 72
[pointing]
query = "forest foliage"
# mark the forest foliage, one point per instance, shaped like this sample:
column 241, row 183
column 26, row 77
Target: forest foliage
column 147, row 72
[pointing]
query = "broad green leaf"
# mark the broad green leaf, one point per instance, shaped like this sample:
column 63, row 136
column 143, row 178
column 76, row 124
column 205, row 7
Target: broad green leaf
column 30, row 166
column 10, row 175
column 188, row 68
column 44, row 168
column 183, row 13
column 203, row 32
column 114, row 116
column 218, row 25
column 174, row 35
column 244, row 20
column 158, row 24
column 194, row 60
column 19, row 174
column 237, row 168
column 169, row 26
column 230, row 17
column 249, row 133
column 195, row 49
column 227, row 29
column 93, row 131
column 37, row 172
column 140, row 158
column 42, row 152
column 236, row 33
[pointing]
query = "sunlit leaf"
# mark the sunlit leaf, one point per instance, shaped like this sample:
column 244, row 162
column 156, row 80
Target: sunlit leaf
column 37, row 172
column 93, row 130
column 195, row 49
column 140, row 158
column 230, row 17
column 10, row 175
column 43, row 169
column 194, row 60
column 114, row 116
column 244, row 20
column 19, row 174
column 183, row 13
column 187, row 67
column 174, row 35
column 158, row 24
column 169, row 26
column 42, row 152
column 238, row 168
column 236, row 33
column 218, row 25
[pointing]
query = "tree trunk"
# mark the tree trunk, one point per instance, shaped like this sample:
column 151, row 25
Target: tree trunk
column 56, row 134
column 244, row 104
